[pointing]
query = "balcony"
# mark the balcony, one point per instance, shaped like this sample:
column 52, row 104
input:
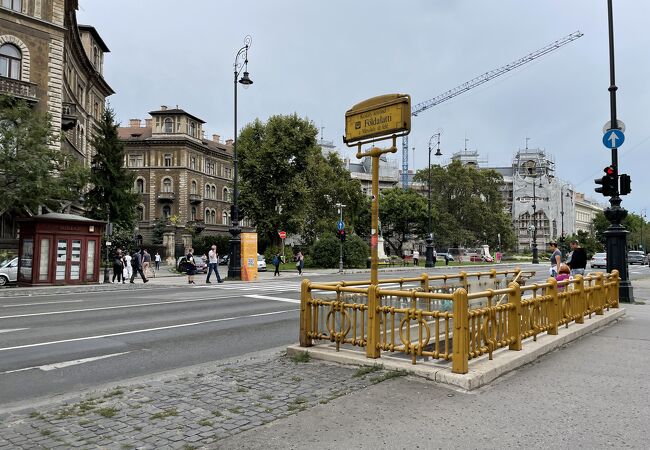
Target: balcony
column 195, row 199
column 166, row 196
column 68, row 116
column 18, row 88
column 198, row 225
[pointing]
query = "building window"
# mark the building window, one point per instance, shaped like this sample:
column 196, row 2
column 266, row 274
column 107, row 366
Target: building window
column 224, row 218
column 140, row 213
column 136, row 161
column 166, row 211
column 192, row 129
column 209, row 168
column 226, row 195
column 167, row 185
column 168, row 160
column 16, row 5
column 207, row 191
column 169, row 125
column 207, row 216
column 193, row 163
column 139, row 186
column 228, row 172
column 10, row 59
column 193, row 215
column 193, row 187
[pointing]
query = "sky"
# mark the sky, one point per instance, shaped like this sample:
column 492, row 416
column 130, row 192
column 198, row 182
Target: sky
column 318, row 58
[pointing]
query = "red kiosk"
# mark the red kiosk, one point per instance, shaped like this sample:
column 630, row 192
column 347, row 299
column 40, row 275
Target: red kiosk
column 58, row 249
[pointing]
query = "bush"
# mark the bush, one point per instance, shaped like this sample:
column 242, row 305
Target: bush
column 202, row 244
column 355, row 252
column 325, row 252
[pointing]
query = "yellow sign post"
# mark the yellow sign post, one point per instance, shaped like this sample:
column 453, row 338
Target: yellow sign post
column 383, row 117
column 249, row 256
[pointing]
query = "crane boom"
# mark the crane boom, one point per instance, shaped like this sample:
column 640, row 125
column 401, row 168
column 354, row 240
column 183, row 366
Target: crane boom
column 477, row 81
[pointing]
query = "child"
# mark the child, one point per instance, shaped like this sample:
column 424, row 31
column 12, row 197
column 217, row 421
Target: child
column 562, row 275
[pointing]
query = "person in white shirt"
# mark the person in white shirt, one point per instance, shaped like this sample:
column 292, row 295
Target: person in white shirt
column 213, row 264
column 157, row 260
column 127, row 265
column 416, row 258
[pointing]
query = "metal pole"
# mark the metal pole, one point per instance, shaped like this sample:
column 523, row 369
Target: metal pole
column 340, row 207
column 374, row 256
column 429, row 240
column 107, row 274
column 535, row 254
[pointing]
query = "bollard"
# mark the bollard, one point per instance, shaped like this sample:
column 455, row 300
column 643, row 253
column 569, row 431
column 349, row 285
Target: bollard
column 305, row 314
column 460, row 355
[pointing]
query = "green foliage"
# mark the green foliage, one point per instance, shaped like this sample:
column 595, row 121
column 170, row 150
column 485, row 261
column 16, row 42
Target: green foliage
column 202, row 244
column 33, row 170
column 635, row 224
column 112, row 195
column 325, row 252
column 586, row 240
column 158, row 231
column 403, row 215
column 355, row 252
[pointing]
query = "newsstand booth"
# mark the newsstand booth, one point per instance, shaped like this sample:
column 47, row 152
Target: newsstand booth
column 58, row 249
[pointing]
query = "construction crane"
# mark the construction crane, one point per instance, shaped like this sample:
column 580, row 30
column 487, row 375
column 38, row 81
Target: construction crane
column 484, row 78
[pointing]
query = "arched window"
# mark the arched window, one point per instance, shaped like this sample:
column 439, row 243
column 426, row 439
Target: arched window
column 167, row 211
column 169, row 125
column 207, row 191
column 224, row 218
column 10, row 61
column 225, row 194
column 192, row 129
column 193, row 215
column 167, row 185
column 139, row 186
column 193, row 188
column 214, row 192
column 140, row 213
column 207, row 215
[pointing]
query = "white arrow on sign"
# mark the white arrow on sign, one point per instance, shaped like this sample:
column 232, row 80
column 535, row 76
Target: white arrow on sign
column 612, row 138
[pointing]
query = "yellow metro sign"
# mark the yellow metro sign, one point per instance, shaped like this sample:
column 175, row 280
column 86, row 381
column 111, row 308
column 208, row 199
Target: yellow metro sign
column 384, row 115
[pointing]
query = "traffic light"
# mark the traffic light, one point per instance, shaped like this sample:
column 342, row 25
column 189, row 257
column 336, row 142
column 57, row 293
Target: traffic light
column 342, row 235
column 626, row 184
column 607, row 183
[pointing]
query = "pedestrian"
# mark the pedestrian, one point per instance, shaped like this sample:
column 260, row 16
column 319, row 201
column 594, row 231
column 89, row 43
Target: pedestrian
column 136, row 263
column 563, row 274
column 125, row 270
column 416, row 258
column 435, row 257
column 300, row 262
column 577, row 259
column 556, row 258
column 213, row 264
column 191, row 266
column 157, row 260
column 118, row 266
column 146, row 262
column 276, row 263
column 127, row 265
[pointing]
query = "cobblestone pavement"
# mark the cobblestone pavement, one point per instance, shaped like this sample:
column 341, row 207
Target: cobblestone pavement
column 190, row 409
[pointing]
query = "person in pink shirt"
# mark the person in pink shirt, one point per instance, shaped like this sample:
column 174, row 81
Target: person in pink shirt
column 562, row 275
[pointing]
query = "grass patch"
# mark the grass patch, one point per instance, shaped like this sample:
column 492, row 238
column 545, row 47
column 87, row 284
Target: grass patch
column 297, row 404
column 127, row 446
column 364, row 370
column 267, row 397
column 389, row 375
column 114, row 393
column 235, row 410
column 242, row 389
column 216, row 413
column 301, row 357
column 296, row 379
column 205, row 423
column 137, row 428
column 36, row 415
column 268, row 410
column 46, row 432
column 107, row 412
column 188, row 447
column 166, row 413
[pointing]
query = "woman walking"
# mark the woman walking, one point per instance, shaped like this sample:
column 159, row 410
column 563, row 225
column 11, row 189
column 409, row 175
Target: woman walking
column 191, row 266
column 118, row 266
column 300, row 262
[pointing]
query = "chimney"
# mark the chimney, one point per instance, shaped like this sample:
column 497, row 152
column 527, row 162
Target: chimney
column 148, row 122
column 229, row 142
column 216, row 138
column 134, row 123
column 163, row 107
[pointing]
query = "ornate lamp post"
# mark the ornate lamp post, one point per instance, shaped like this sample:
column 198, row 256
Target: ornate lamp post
column 562, row 209
column 234, row 263
column 429, row 240
column 535, row 254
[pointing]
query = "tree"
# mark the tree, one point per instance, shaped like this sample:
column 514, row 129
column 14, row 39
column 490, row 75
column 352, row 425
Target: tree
column 33, row 170
column 633, row 223
column 287, row 184
column 403, row 214
column 111, row 196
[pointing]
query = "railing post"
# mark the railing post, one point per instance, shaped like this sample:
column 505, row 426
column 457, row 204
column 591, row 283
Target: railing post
column 600, row 297
column 460, row 355
column 305, row 314
column 372, row 345
column 617, row 280
column 581, row 300
column 463, row 279
column 514, row 316
column 554, row 308
column 493, row 277
column 424, row 283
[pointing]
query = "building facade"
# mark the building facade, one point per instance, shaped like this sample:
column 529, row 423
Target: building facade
column 56, row 65
column 586, row 211
column 182, row 178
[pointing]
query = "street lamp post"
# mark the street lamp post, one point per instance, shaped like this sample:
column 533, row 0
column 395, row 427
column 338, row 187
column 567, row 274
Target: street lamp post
column 562, row 208
column 429, row 240
column 340, row 207
column 535, row 254
column 234, row 262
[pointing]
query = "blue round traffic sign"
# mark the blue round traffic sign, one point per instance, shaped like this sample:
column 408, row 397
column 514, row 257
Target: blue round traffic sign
column 340, row 225
column 613, row 138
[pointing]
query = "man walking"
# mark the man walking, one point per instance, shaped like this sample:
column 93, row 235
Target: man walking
column 577, row 259
column 416, row 258
column 136, row 262
column 276, row 263
column 213, row 264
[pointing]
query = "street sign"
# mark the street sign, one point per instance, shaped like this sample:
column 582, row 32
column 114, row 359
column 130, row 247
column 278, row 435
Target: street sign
column 340, row 225
column 613, row 138
column 283, row 234
column 608, row 126
column 384, row 115
column 108, row 243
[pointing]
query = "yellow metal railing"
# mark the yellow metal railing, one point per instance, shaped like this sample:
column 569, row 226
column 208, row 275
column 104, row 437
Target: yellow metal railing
column 445, row 316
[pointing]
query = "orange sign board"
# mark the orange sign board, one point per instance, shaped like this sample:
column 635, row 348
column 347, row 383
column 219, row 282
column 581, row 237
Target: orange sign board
column 378, row 116
column 248, row 256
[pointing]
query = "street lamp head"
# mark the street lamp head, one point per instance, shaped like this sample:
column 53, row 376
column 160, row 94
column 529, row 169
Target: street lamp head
column 245, row 80
column 438, row 152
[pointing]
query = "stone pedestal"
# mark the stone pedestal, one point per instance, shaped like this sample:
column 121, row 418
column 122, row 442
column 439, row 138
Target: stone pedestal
column 381, row 253
column 187, row 241
column 169, row 242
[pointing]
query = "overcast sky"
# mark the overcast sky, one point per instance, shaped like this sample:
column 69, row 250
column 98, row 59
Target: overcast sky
column 318, row 58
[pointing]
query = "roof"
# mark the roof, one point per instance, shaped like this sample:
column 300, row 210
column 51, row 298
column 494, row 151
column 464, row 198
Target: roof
column 167, row 112
column 61, row 217
column 134, row 133
column 96, row 36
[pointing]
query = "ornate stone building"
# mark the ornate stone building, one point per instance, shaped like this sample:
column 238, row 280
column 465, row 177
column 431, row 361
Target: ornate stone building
column 56, row 65
column 181, row 176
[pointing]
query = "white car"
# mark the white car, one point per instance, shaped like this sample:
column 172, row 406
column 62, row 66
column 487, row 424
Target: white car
column 599, row 260
column 261, row 263
column 9, row 272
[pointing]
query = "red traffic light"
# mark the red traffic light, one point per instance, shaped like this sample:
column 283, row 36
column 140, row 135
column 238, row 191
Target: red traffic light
column 609, row 170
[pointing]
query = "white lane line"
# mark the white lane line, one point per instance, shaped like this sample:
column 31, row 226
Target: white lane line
column 146, row 330
column 13, row 329
column 61, row 365
column 41, row 303
column 279, row 299
column 69, row 311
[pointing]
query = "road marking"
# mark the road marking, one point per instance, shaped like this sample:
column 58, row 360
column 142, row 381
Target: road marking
column 279, row 299
column 13, row 329
column 146, row 330
column 61, row 365
column 41, row 303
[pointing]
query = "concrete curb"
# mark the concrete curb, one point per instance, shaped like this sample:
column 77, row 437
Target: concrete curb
column 482, row 371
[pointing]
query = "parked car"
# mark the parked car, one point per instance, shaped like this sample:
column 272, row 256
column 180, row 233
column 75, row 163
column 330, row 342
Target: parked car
column 201, row 266
column 598, row 260
column 9, row 272
column 445, row 257
column 223, row 260
column 636, row 257
column 261, row 263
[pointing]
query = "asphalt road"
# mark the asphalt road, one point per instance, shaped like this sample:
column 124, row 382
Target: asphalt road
column 51, row 344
